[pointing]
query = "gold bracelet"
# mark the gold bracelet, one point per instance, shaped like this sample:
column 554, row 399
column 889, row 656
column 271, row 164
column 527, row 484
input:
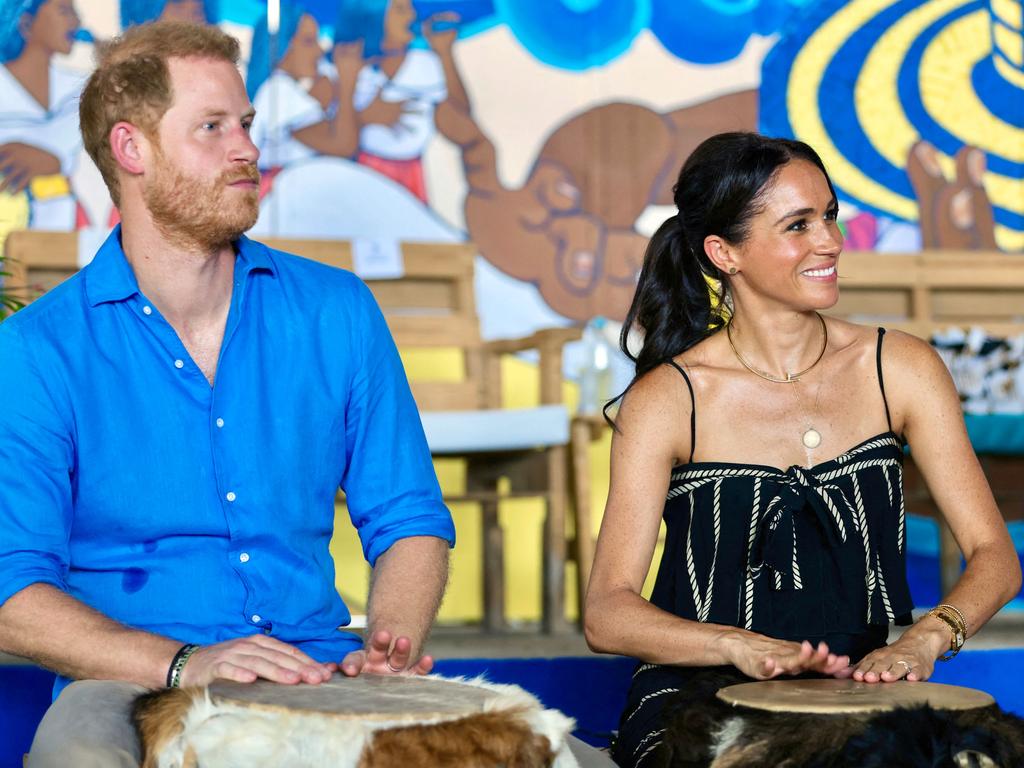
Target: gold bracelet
column 959, row 615
column 956, row 641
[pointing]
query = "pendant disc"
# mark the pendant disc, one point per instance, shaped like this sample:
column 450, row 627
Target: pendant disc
column 812, row 438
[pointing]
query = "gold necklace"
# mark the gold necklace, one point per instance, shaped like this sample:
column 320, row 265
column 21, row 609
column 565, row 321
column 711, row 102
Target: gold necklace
column 811, row 437
column 790, row 377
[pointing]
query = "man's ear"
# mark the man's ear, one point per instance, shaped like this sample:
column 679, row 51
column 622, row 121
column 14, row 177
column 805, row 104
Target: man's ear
column 721, row 254
column 128, row 145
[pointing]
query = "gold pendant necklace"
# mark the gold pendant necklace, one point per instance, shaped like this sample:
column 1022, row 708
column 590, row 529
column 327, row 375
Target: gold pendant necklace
column 811, row 437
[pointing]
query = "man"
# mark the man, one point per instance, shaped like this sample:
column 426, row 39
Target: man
column 176, row 419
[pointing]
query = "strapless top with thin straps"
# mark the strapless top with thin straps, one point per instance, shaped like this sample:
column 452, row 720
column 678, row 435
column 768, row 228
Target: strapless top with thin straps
column 796, row 553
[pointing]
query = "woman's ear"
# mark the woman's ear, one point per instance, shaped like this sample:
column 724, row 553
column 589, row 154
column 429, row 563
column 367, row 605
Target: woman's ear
column 721, row 254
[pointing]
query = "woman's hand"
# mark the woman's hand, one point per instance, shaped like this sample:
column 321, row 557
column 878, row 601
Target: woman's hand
column 764, row 657
column 441, row 40
column 912, row 656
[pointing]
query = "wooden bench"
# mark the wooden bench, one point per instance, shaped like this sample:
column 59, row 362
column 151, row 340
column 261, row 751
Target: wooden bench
column 431, row 305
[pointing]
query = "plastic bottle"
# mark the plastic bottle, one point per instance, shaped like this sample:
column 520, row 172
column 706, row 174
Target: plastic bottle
column 595, row 374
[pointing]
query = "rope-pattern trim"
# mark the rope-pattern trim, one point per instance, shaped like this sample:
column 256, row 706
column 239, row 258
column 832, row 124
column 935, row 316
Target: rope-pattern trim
column 647, row 698
column 716, row 511
column 650, row 748
column 691, row 568
column 850, row 469
column 755, row 514
column 862, row 529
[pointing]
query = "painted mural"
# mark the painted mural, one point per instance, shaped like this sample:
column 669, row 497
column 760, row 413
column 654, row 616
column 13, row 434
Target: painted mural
column 548, row 132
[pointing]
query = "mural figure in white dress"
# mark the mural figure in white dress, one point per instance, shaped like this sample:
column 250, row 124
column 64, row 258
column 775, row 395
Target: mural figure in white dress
column 39, row 139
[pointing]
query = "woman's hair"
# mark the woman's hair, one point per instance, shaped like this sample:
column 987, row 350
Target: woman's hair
column 263, row 61
column 680, row 297
column 361, row 20
column 11, row 13
column 135, row 12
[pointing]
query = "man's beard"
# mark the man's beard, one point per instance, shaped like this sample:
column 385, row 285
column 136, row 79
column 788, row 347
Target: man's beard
column 196, row 214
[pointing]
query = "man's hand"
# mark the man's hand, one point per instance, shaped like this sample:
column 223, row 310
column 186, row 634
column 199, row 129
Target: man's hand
column 20, row 163
column 381, row 656
column 247, row 659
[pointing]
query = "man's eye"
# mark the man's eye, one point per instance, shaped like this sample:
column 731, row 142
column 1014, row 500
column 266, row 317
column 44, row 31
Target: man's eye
column 210, row 126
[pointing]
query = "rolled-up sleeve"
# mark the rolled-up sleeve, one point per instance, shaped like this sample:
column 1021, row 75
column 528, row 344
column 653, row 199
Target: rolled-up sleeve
column 389, row 482
column 36, row 461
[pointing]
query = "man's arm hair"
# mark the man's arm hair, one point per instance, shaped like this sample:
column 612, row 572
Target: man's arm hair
column 53, row 629
column 406, row 588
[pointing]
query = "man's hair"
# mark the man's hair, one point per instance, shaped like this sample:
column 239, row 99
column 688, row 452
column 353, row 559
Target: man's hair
column 132, row 83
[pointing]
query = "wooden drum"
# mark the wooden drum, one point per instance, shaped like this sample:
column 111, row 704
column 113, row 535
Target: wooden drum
column 367, row 721
column 827, row 723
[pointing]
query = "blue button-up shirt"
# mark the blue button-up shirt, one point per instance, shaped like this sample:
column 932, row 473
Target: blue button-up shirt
column 197, row 512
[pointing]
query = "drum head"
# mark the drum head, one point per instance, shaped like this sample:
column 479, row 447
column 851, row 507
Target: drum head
column 837, row 696
column 366, row 697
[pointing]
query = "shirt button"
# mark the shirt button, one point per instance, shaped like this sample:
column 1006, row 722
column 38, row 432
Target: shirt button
column 256, row 618
column 179, row 364
column 146, row 310
column 220, row 423
column 230, row 496
column 244, row 557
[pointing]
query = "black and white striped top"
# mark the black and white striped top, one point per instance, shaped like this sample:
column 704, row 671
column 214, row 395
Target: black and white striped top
column 801, row 553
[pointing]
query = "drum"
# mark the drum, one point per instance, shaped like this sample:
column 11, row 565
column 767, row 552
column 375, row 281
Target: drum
column 827, row 723
column 368, row 721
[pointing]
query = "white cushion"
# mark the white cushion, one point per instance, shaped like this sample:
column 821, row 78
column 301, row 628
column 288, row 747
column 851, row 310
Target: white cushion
column 507, row 429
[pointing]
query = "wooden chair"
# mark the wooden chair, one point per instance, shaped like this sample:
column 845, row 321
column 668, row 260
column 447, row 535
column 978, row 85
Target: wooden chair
column 431, row 305
column 922, row 293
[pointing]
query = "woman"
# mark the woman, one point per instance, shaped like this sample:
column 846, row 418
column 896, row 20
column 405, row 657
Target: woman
column 399, row 86
column 39, row 139
column 296, row 121
column 771, row 571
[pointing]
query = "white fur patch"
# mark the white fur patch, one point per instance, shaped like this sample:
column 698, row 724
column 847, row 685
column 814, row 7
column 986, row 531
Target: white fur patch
column 222, row 734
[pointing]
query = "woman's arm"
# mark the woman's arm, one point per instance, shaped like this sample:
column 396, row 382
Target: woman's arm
column 338, row 135
column 654, row 433
column 925, row 403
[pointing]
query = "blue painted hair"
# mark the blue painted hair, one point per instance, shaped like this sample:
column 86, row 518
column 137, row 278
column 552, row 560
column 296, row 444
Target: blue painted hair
column 142, row 11
column 260, row 65
column 11, row 11
column 361, row 20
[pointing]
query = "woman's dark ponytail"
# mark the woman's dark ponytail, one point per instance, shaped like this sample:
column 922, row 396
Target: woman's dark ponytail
column 673, row 300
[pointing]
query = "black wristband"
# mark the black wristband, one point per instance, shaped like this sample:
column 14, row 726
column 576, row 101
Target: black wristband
column 178, row 664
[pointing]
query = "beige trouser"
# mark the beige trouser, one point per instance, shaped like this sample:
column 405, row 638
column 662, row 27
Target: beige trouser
column 88, row 726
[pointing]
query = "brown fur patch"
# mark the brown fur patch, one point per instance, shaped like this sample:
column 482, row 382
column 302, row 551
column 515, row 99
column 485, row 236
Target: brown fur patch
column 159, row 717
column 479, row 741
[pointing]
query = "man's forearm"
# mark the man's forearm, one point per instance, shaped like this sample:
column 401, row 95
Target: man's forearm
column 61, row 633
column 406, row 589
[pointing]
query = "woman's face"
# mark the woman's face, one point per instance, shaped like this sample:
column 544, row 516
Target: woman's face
column 184, row 10
column 304, row 50
column 398, row 24
column 794, row 243
column 54, row 26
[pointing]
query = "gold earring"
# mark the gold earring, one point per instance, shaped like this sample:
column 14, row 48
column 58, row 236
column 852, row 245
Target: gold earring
column 732, row 270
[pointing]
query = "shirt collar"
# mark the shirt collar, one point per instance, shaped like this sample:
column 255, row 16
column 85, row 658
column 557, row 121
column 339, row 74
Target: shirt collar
column 109, row 276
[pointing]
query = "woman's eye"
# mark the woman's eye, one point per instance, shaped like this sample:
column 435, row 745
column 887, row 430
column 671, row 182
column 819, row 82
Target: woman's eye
column 832, row 215
column 797, row 226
